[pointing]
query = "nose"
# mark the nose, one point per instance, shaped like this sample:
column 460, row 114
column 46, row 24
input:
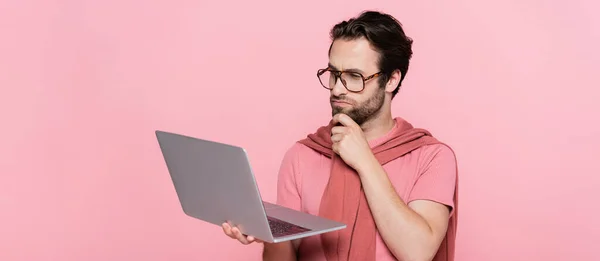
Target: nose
column 338, row 88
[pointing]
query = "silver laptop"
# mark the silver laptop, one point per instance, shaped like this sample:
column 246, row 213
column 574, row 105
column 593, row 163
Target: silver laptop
column 215, row 183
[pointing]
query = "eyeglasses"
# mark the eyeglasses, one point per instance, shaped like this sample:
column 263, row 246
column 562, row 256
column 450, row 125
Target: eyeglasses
column 352, row 81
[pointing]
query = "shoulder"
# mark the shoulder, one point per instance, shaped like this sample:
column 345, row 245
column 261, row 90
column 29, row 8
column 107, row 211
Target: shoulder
column 436, row 178
column 295, row 155
column 298, row 150
column 439, row 155
column 438, row 150
column 296, row 159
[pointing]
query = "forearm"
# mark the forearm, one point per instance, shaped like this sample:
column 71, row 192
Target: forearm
column 407, row 235
column 283, row 251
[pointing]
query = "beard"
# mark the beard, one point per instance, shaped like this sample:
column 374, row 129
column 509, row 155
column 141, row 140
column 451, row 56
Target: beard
column 362, row 112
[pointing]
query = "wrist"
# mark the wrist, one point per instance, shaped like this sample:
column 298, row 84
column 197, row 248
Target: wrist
column 371, row 164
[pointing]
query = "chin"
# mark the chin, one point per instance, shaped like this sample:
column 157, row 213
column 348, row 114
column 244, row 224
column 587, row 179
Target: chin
column 336, row 110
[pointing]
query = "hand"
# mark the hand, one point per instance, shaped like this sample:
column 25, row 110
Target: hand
column 350, row 142
column 234, row 232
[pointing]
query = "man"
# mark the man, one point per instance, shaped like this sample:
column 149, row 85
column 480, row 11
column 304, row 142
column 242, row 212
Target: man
column 394, row 185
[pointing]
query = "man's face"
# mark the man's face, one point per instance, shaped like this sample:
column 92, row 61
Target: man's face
column 358, row 56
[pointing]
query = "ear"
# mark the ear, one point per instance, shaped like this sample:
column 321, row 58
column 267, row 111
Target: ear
column 393, row 81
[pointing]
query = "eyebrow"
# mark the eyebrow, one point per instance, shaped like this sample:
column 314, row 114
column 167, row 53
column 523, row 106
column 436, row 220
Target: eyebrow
column 347, row 70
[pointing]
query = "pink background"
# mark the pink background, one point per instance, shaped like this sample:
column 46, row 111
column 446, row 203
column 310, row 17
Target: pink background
column 512, row 85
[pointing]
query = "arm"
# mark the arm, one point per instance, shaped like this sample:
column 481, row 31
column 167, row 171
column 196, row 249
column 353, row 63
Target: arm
column 415, row 230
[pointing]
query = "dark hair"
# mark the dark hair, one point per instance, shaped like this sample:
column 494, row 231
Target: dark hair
column 386, row 35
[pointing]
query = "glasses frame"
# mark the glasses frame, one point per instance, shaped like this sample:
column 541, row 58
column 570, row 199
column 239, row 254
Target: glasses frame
column 338, row 75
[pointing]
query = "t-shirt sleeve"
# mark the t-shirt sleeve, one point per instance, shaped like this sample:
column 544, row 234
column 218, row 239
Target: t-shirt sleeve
column 288, row 186
column 437, row 181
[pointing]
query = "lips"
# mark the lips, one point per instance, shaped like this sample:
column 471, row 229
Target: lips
column 340, row 102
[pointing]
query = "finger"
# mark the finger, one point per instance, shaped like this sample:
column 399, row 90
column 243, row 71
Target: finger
column 337, row 138
column 336, row 148
column 339, row 129
column 239, row 236
column 252, row 239
column 227, row 230
column 344, row 120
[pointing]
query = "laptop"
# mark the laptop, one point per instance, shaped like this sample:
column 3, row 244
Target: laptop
column 215, row 183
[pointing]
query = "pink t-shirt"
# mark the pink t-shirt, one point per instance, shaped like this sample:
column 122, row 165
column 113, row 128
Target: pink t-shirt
column 426, row 173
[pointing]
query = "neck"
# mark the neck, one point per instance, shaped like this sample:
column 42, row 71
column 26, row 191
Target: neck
column 379, row 125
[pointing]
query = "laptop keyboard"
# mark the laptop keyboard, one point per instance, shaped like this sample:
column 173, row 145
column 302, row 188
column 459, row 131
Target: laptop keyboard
column 280, row 228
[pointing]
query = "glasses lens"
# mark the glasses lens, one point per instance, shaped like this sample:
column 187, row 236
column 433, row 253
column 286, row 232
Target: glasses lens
column 327, row 79
column 353, row 81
